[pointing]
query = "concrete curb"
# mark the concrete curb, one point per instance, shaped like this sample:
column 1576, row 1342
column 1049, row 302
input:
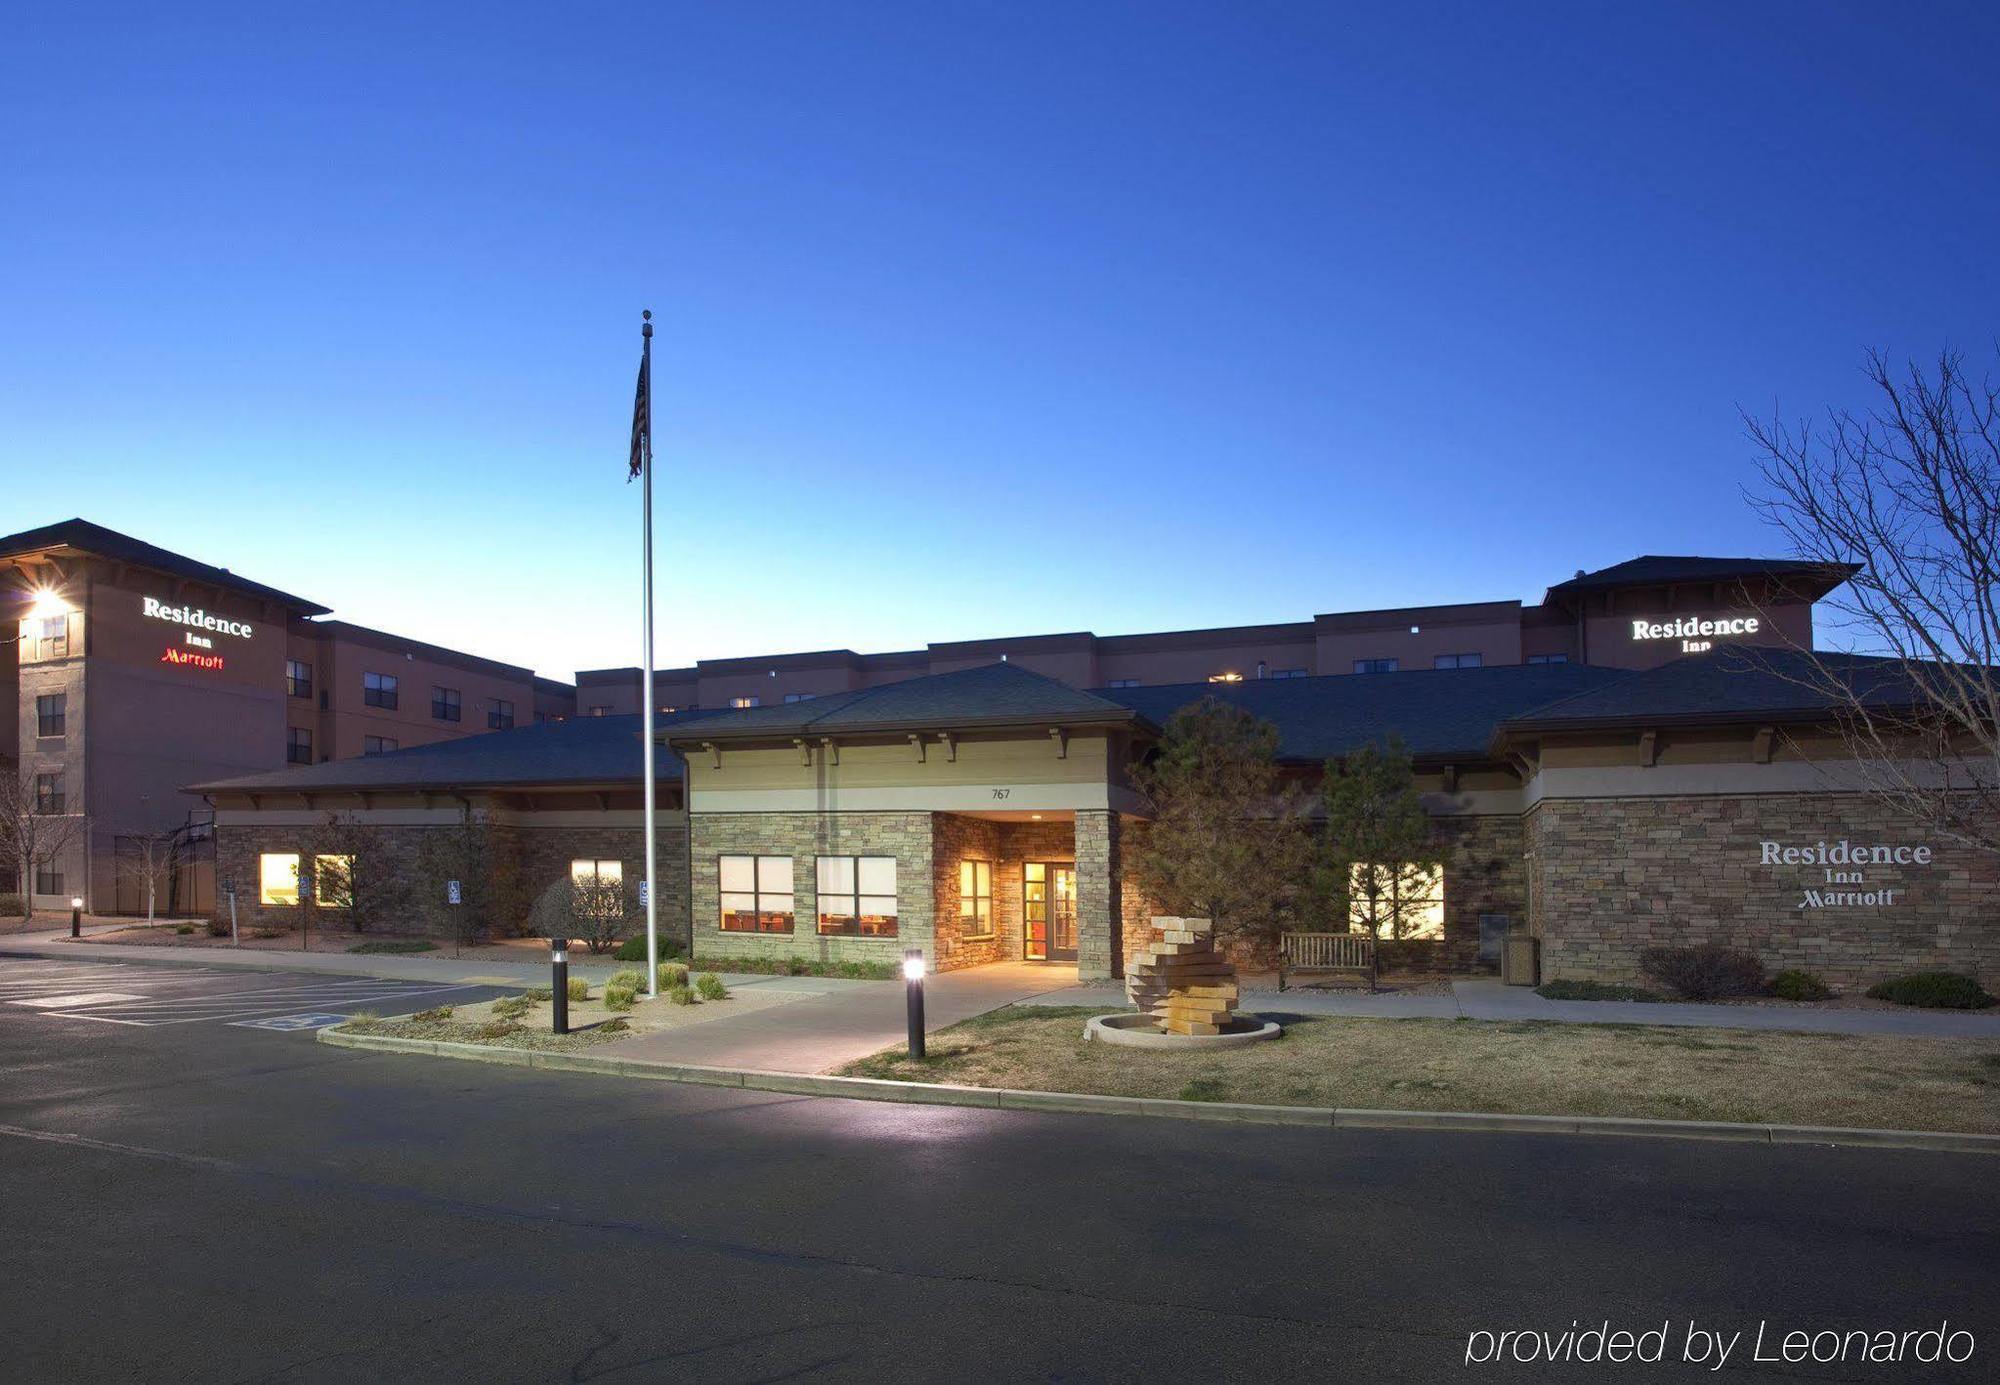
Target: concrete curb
column 1087, row 1103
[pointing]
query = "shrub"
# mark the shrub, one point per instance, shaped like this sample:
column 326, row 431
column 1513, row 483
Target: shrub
column 616, row 1025
column 394, row 946
column 1592, row 990
column 680, row 995
column 634, row 949
column 435, row 1014
column 218, row 927
column 184, row 930
column 538, row 993
column 711, row 987
column 673, row 974
column 631, row 980
column 13, row 906
column 267, row 933
column 1794, row 984
column 1933, row 990
column 579, row 989
column 618, row 997
column 495, row 1029
column 806, row 966
column 510, row 1007
column 1707, row 971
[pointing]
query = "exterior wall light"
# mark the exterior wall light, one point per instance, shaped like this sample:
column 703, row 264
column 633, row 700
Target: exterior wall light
column 913, row 986
column 48, row 602
column 559, row 984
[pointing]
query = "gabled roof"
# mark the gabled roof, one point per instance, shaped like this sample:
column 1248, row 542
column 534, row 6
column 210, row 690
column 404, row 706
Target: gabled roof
column 85, row 537
column 1654, row 570
column 993, row 695
column 579, row 751
column 1439, row 714
column 1734, row 684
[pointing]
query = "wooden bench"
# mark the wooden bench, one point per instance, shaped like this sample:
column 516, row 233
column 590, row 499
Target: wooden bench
column 1348, row 952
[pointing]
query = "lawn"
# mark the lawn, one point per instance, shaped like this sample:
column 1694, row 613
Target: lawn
column 1476, row 1065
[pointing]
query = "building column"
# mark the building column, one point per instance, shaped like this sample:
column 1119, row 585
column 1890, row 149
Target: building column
column 1099, row 915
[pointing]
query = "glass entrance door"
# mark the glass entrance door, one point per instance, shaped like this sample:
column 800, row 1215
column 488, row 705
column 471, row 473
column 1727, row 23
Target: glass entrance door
column 1048, row 912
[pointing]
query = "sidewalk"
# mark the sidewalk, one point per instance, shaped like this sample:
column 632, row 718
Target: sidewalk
column 1484, row 998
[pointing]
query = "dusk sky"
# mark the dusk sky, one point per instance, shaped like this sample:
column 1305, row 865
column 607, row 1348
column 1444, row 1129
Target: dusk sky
column 974, row 320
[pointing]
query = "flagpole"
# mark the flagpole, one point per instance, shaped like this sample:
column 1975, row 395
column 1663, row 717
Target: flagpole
column 646, row 667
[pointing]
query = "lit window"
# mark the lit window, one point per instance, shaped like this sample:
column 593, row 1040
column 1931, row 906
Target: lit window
column 298, row 678
column 44, row 638
column 975, row 899
column 857, row 896
column 277, row 878
column 1548, row 658
column 602, row 709
column 1123, row 683
column 800, row 697
column 52, row 714
column 756, row 893
column 1374, row 665
column 1457, row 661
column 379, row 690
column 298, row 746
column 585, row 871
column 444, row 704
column 1389, row 903
column 1288, row 673
column 333, row 882
column 741, row 702
column 51, row 800
column 379, row 745
column 499, row 715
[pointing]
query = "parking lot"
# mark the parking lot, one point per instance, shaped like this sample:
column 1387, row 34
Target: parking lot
column 147, row 996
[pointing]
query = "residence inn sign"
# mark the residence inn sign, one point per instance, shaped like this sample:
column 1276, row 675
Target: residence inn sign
column 1840, row 864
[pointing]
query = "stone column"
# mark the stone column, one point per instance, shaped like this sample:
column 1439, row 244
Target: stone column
column 1099, row 923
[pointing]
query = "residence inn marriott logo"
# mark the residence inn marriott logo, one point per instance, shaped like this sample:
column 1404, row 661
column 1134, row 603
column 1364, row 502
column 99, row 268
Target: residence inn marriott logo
column 1840, row 862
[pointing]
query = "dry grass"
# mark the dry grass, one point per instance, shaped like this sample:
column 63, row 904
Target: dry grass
column 1473, row 1065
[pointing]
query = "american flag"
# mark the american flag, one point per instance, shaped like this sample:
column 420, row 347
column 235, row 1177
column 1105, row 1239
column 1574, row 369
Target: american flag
column 642, row 413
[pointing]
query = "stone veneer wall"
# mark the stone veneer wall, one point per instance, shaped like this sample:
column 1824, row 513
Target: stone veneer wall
column 528, row 857
column 1484, row 873
column 955, row 839
column 804, row 837
column 1100, row 913
column 1613, row 876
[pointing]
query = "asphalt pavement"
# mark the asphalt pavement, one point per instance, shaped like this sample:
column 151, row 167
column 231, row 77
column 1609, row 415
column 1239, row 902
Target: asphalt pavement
column 205, row 1201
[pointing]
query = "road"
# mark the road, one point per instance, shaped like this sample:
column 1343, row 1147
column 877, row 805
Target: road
column 203, row 1201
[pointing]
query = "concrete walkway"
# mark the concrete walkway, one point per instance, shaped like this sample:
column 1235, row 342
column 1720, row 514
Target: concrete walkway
column 1484, row 998
column 826, row 1031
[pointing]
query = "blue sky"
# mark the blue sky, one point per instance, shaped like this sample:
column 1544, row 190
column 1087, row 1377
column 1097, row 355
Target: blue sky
column 975, row 320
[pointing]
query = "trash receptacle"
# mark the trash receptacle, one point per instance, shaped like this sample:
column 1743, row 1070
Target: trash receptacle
column 1521, row 961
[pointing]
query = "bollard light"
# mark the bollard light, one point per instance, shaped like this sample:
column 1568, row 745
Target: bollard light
column 913, row 984
column 76, row 916
column 559, row 987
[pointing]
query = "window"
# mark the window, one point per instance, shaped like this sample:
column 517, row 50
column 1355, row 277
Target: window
column 756, row 893
column 741, row 702
column 857, row 896
column 47, row 637
column 379, row 690
column 50, row 799
column 378, row 745
column 975, row 899
column 1457, row 661
column 603, row 710
column 298, row 746
column 298, row 678
column 333, row 882
column 1123, row 683
column 1374, row 665
column 49, row 880
column 1389, row 903
column 1548, row 658
column 585, row 871
column 277, row 878
column 52, row 714
column 444, row 704
column 800, row 697
column 1288, row 673
column 499, row 715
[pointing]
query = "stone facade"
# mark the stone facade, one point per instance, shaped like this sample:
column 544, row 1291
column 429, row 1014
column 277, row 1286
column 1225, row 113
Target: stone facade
column 956, row 839
column 1614, row 876
column 1484, row 873
column 1100, row 915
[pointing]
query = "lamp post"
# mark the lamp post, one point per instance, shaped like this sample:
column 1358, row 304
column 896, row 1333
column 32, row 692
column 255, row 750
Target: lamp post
column 559, row 987
column 76, row 916
column 913, row 985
